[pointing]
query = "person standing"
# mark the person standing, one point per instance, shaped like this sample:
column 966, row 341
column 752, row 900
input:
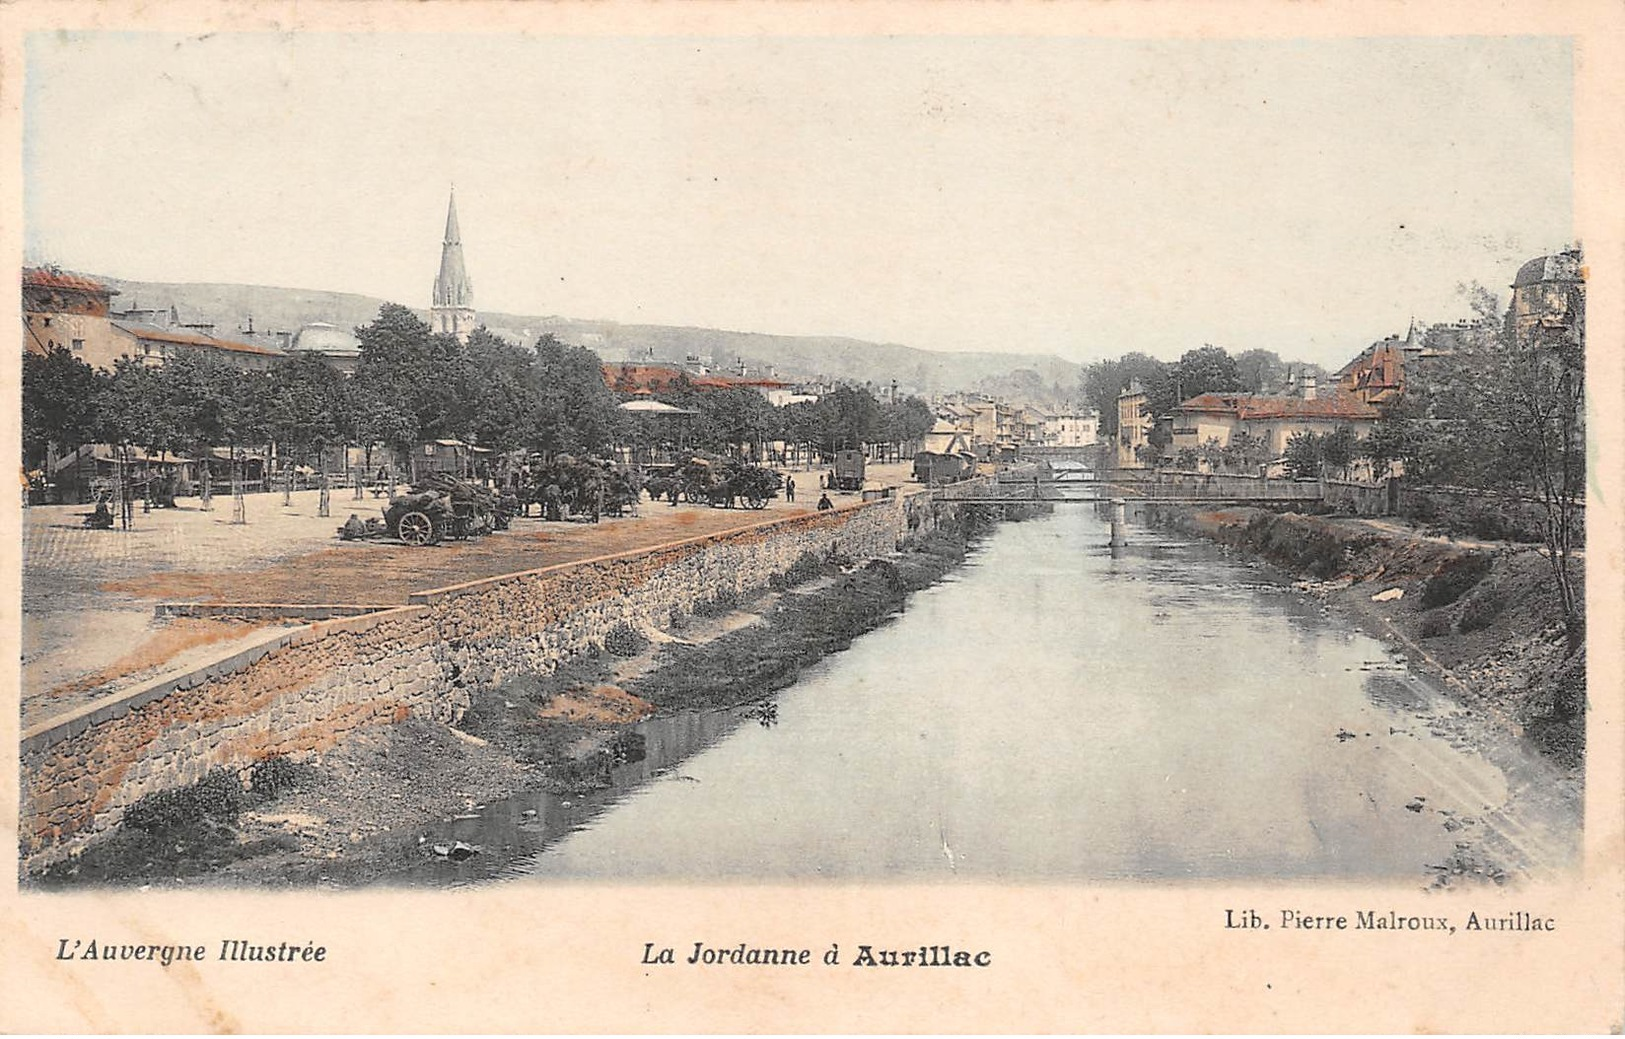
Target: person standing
column 790, row 488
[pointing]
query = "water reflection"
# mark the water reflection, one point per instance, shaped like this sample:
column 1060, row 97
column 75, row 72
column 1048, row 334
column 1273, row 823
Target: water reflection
column 1058, row 711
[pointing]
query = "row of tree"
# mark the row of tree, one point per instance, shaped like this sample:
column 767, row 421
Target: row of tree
column 411, row 385
column 1207, row 369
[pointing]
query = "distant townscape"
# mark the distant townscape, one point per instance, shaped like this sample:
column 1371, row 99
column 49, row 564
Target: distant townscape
column 1210, row 411
column 507, row 549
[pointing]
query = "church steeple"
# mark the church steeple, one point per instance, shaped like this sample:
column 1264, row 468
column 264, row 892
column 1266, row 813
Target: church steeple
column 452, row 311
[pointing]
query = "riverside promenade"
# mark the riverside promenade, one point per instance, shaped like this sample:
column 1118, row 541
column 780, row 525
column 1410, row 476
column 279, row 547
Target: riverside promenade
column 90, row 626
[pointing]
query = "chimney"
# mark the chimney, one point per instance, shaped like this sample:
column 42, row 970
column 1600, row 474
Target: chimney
column 1309, row 387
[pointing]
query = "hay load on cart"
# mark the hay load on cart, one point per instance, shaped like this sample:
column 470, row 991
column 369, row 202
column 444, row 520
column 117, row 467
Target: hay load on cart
column 725, row 482
column 441, row 506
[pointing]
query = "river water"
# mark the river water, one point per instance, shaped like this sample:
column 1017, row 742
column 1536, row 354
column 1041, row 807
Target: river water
column 1058, row 711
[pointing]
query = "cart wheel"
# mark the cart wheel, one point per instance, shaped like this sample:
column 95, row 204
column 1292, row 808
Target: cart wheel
column 416, row 528
column 756, row 501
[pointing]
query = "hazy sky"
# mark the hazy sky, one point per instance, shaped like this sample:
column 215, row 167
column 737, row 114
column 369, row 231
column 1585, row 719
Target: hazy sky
column 1078, row 196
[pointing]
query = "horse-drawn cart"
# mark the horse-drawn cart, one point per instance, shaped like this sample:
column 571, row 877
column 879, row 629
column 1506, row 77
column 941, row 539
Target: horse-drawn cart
column 441, row 507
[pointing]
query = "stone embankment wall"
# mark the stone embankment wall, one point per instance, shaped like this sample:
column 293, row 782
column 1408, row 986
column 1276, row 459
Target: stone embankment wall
column 1166, row 483
column 302, row 690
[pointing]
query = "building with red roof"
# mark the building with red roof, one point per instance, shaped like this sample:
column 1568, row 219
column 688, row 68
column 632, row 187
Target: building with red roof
column 65, row 311
column 1272, row 419
column 648, row 379
column 71, row 312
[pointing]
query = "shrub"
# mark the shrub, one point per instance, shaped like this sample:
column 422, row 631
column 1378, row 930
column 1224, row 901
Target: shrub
column 273, row 776
column 1455, row 579
column 806, row 567
column 726, row 600
column 624, row 640
column 216, row 799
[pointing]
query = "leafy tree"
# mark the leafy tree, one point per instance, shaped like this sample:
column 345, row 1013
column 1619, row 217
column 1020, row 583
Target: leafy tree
column 906, row 421
column 136, row 408
column 402, row 360
column 1398, row 437
column 501, row 398
column 1103, row 381
column 1209, row 369
column 1212, row 453
column 736, row 416
column 1256, row 369
column 1338, row 448
column 1245, row 452
column 1305, row 454
column 61, row 398
column 576, row 413
column 306, row 407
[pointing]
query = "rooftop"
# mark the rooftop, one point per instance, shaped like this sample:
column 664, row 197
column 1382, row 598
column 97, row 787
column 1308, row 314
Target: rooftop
column 1255, row 406
column 1564, row 266
column 154, row 334
column 52, row 278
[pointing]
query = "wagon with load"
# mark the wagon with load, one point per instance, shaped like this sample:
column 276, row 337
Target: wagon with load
column 725, row 482
column 441, row 506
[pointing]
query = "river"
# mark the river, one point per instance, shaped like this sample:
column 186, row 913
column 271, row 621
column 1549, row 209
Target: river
column 1058, row 711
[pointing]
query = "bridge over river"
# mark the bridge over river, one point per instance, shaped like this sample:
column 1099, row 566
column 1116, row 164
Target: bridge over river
column 1061, row 482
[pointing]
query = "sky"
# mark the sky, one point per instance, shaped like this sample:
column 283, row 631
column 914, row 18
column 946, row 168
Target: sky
column 1075, row 196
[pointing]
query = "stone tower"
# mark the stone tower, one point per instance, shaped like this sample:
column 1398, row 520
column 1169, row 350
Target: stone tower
column 452, row 311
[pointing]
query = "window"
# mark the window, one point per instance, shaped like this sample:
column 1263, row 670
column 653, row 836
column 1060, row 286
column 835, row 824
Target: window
column 78, row 346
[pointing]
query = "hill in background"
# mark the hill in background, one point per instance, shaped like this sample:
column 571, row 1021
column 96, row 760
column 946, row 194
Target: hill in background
column 1032, row 377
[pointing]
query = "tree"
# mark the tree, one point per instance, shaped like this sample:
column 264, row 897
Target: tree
column 854, row 419
column 1245, row 452
column 1398, row 437
column 1104, row 381
column 306, row 407
column 906, row 421
column 576, row 412
column 136, row 410
column 403, row 361
column 61, row 397
column 501, row 398
column 1338, row 449
column 1538, row 394
column 1305, row 454
column 1256, row 369
column 1209, row 369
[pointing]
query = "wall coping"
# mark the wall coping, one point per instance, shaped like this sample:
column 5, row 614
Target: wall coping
column 115, row 705
column 64, row 726
column 307, row 611
column 433, row 595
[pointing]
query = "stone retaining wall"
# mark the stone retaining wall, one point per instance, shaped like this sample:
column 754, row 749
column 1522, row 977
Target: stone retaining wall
column 302, row 690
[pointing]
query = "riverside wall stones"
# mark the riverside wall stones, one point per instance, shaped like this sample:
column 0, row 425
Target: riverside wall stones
column 305, row 690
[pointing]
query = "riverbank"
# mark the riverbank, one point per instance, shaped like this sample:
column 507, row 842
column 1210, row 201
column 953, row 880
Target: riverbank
column 358, row 812
column 1484, row 620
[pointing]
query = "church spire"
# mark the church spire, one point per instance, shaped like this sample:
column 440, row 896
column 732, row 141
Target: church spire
column 452, row 310
column 454, row 235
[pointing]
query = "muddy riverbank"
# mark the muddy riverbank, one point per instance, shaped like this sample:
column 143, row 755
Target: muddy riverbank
column 1485, row 621
column 363, row 811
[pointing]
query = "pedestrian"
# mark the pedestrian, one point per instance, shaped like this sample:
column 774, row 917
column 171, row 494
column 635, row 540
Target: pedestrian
column 824, row 504
column 790, row 488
